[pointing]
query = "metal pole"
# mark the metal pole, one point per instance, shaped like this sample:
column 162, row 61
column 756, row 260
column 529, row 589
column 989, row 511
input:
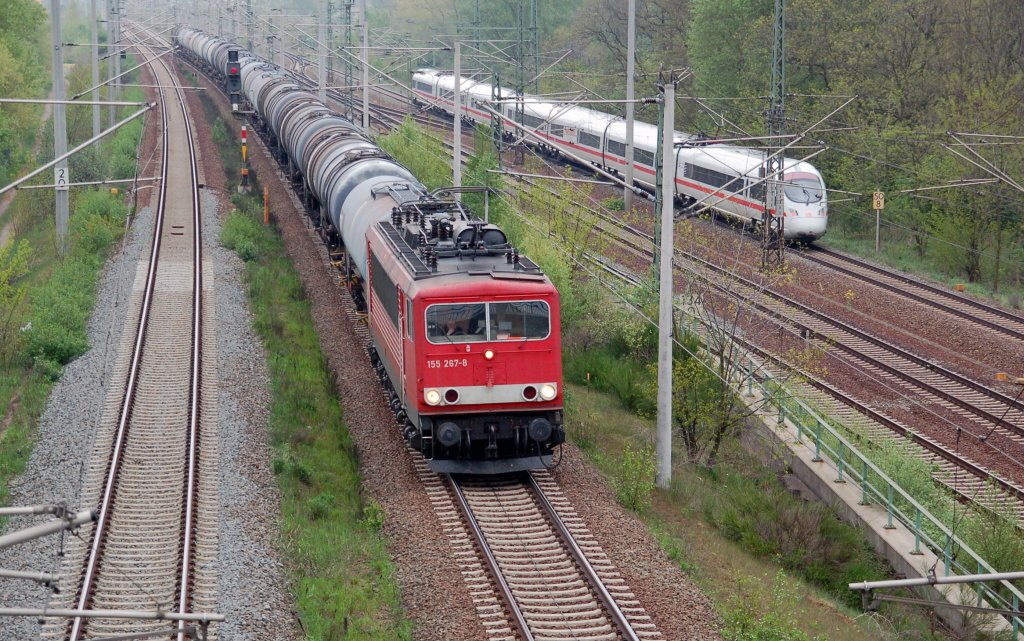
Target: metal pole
column 627, row 194
column 270, row 38
column 321, row 91
column 38, row 577
column 664, row 434
column 457, row 153
column 366, row 72
column 60, row 133
column 49, row 527
column 94, row 36
column 878, row 224
column 112, row 114
column 146, row 615
column 74, row 151
column 117, row 49
column 249, row 24
column 938, row 580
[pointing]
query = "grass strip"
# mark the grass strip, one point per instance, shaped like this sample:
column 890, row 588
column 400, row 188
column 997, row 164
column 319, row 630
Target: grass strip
column 343, row 580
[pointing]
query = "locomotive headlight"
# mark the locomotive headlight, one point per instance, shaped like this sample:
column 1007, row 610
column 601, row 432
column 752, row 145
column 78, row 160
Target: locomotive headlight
column 489, row 354
column 432, row 396
column 548, row 391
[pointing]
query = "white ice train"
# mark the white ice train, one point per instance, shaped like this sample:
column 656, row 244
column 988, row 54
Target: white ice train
column 725, row 176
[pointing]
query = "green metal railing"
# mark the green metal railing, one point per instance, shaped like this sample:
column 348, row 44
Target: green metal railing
column 832, row 448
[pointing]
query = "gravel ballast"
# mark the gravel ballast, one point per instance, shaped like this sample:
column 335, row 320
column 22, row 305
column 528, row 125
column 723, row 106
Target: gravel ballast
column 64, row 438
column 253, row 584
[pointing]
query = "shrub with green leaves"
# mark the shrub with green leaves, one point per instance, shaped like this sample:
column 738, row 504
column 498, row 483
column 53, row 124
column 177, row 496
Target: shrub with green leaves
column 320, row 505
column 634, row 483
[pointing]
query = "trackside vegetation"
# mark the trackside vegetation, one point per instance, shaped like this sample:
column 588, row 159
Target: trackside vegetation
column 935, row 88
column 776, row 566
column 45, row 298
column 342, row 578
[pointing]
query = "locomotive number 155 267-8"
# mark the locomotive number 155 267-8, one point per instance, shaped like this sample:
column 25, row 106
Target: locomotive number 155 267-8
column 443, row 363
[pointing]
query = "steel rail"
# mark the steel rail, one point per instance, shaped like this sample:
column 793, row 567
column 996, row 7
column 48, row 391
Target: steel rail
column 866, row 410
column 893, row 425
column 625, row 628
column 997, row 420
column 835, row 258
column 492, row 564
column 927, row 443
column 189, row 515
column 95, row 554
column 113, row 467
column 897, row 351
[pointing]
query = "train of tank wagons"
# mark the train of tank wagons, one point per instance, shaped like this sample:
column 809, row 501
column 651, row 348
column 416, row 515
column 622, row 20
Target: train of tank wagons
column 464, row 330
column 726, row 177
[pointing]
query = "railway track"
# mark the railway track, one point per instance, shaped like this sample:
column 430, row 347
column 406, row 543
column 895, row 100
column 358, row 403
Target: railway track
column 533, row 570
column 152, row 470
column 961, row 307
column 872, row 354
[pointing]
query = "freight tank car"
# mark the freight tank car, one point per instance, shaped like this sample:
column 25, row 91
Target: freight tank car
column 464, row 330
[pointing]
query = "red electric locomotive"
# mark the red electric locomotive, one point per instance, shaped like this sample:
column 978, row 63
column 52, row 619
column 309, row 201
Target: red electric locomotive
column 466, row 337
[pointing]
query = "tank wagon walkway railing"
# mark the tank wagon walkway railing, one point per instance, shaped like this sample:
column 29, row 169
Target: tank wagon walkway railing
column 774, row 401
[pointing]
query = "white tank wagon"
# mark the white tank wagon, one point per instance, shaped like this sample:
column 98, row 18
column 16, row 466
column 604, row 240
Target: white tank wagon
column 339, row 166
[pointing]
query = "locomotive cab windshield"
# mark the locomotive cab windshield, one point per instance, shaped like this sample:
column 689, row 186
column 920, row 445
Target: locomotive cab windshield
column 491, row 322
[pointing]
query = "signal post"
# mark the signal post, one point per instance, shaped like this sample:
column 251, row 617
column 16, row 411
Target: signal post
column 243, row 183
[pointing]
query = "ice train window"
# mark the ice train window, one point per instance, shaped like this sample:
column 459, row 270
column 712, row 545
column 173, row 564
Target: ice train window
column 590, row 140
column 803, row 190
column 643, row 156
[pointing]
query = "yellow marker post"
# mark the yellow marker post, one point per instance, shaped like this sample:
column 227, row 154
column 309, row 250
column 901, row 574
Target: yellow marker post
column 878, row 204
column 244, row 148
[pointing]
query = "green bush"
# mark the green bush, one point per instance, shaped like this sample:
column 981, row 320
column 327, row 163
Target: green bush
column 302, row 472
column 373, row 516
column 278, row 465
column 752, row 509
column 48, row 369
column 246, row 250
column 615, row 203
column 241, row 233
column 743, row 620
column 634, row 483
column 320, row 505
column 607, row 371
